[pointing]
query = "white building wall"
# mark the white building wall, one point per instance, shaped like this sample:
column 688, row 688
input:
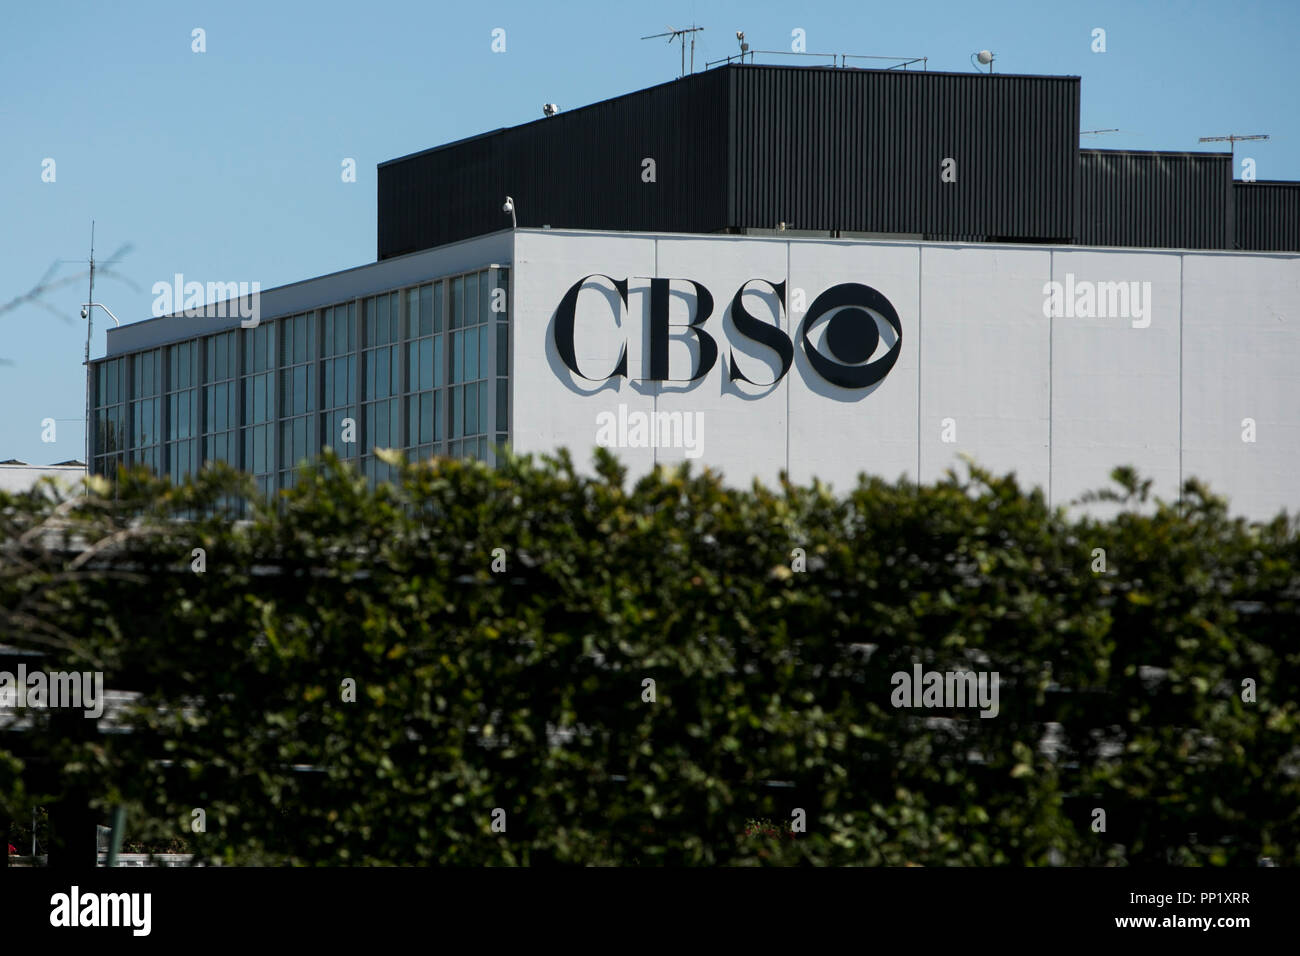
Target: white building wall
column 983, row 371
column 1241, row 359
column 985, row 349
column 1115, row 384
column 19, row 478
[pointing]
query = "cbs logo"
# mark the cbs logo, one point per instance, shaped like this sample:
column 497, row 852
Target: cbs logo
column 840, row 333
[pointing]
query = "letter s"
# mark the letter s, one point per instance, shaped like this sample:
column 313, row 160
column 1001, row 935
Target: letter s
column 761, row 332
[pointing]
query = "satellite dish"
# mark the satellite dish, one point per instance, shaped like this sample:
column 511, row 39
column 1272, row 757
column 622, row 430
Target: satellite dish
column 985, row 57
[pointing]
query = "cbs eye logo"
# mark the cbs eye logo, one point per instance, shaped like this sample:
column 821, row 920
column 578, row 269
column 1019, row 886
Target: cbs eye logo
column 839, row 334
column 851, row 335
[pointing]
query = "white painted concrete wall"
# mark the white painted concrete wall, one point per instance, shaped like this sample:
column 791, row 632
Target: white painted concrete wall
column 1059, row 400
column 17, row 478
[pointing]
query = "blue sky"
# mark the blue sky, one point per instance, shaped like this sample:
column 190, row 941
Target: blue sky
column 225, row 165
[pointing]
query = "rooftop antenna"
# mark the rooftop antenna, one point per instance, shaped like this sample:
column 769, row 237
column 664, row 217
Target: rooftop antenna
column 1232, row 141
column 680, row 36
column 985, row 58
column 86, row 311
column 1097, row 132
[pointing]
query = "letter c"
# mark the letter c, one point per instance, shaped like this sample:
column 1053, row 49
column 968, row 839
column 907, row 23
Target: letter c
column 565, row 319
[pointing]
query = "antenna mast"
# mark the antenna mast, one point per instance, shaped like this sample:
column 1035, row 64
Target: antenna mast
column 680, row 37
column 90, row 322
column 1232, row 141
column 91, row 297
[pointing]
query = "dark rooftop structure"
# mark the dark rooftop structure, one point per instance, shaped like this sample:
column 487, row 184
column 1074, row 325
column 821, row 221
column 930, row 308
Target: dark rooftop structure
column 751, row 148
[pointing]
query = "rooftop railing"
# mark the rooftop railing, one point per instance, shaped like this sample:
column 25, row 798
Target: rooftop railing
column 837, row 60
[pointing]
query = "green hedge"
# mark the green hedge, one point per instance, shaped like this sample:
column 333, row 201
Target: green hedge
column 523, row 689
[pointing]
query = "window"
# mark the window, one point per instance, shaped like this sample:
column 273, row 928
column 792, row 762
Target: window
column 182, row 410
column 146, row 410
column 425, row 386
column 258, row 425
column 221, row 399
column 382, row 381
column 297, row 411
column 501, row 297
column 110, row 417
column 339, row 379
column 467, row 395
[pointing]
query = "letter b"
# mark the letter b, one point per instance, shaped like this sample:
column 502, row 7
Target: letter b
column 659, row 295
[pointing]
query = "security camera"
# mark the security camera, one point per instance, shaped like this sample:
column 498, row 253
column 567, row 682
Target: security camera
column 509, row 205
column 550, row 109
column 85, row 312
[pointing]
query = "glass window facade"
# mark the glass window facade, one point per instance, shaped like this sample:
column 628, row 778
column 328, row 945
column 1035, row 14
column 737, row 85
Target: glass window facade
column 221, row 398
column 423, row 369
column 339, row 380
column 110, row 416
column 498, row 308
column 469, row 355
column 258, row 414
column 182, row 446
column 381, row 376
column 146, row 409
column 298, row 398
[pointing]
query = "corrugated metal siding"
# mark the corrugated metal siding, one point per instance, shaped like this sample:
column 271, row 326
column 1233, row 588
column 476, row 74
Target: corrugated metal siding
column 1267, row 216
column 580, row 169
column 1155, row 200
column 751, row 146
column 442, row 195
column 862, row 150
column 826, row 150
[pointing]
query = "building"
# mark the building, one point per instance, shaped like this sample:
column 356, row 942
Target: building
column 822, row 271
column 19, row 476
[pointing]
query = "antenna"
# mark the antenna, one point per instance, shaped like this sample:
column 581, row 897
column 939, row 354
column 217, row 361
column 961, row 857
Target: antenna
column 680, row 36
column 87, row 313
column 90, row 322
column 1232, row 140
column 1096, row 132
column 91, row 297
column 985, row 58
